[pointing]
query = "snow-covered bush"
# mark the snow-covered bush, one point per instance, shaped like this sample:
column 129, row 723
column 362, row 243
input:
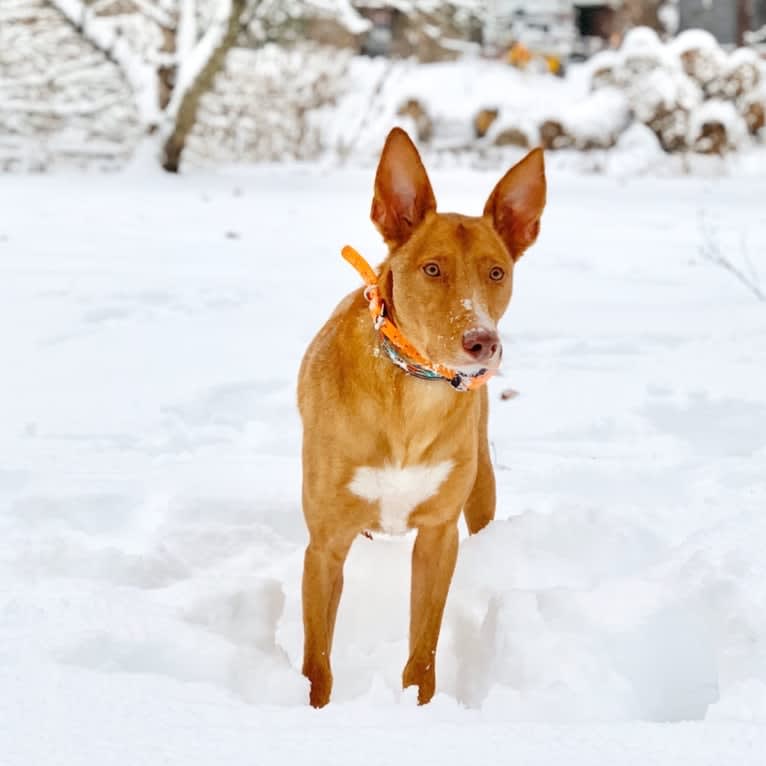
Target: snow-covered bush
column 511, row 136
column 263, row 106
column 553, row 135
column 603, row 69
column 716, row 127
column 483, row 120
column 742, row 74
column 510, row 128
column 62, row 101
column 422, row 123
column 701, row 57
column 663, row 101
column 753, row 109
column 690, row 92
column 641, row 53
column 598, row 121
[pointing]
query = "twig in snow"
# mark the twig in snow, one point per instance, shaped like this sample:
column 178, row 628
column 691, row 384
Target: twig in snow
column 710, row 250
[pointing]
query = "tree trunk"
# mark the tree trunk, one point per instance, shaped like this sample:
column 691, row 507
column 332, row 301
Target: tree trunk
column 642, row 13
column 744, row 19
column 186, row 115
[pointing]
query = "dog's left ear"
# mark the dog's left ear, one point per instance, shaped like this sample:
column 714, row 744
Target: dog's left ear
column 517, row 202
column 403, row 194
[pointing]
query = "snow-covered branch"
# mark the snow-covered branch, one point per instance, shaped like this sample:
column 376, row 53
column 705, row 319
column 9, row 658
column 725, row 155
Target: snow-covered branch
column 106, row 36
column 194, row 54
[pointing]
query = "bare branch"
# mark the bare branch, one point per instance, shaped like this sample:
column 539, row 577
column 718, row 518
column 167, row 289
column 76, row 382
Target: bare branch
column 158, row 15
column 710, row 251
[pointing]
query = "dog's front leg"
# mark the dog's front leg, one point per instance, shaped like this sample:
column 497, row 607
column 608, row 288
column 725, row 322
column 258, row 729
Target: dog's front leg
column 322, row 587
column 433, row 562
column 480, row 507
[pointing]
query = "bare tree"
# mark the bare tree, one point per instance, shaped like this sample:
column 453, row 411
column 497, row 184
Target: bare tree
column 197, row 73
column 170, row 51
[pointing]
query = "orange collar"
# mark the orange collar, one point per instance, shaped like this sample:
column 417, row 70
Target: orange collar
column 401, row 352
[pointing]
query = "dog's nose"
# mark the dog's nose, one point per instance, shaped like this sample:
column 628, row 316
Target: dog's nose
column 481, row 344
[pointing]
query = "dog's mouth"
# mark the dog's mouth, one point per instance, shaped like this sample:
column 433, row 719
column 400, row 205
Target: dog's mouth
column 472, row 370
column 466, row 365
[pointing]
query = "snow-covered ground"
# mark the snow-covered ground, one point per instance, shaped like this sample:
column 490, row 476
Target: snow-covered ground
column 150, row 527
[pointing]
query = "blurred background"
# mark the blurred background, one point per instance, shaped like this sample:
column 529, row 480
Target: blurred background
column 103, row 83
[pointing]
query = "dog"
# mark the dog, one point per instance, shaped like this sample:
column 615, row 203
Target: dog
column 392, row 397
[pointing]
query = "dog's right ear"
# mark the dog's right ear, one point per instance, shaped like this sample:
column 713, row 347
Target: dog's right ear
column 403, row 195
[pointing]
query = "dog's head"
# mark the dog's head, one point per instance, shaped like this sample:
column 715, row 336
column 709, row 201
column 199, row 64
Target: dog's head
column 448, row 277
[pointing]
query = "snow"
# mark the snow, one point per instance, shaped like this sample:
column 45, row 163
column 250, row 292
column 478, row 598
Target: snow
column 151, row 537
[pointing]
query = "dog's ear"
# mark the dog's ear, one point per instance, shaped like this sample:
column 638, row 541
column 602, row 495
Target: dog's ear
column 403, row 194
column 517, row 202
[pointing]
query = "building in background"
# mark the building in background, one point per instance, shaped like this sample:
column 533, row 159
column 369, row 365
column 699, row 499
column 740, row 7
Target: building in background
column 726, row 20
column 421, row 28
column 559, row 27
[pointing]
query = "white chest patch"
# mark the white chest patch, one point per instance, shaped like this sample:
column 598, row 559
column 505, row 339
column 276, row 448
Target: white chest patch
column 399, row 490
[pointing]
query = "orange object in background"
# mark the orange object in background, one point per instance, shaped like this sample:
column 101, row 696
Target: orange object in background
column 519, row 55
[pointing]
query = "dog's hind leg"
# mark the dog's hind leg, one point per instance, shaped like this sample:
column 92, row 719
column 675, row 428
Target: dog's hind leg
column 479, row 509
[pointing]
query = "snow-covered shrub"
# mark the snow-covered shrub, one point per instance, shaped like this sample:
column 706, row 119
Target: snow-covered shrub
column 262, row 107
column 701, row 57
column 483, row 120
column 664, row 100
column 512, row 137
column 513, row 133
column 553, row 135
column 604, row 67
column 666, row 86
column 511, row 128
column 753, row 110
column 598, row 121
column 715, row 127
column 641, row 53
column 61, row 100
column 421, row 120
column 741, row 75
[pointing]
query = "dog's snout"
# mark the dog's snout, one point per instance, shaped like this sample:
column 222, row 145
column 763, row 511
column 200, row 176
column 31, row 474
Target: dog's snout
column 481, row 344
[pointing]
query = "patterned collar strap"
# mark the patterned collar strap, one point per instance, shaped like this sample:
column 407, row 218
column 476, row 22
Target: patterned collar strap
column 398, row 349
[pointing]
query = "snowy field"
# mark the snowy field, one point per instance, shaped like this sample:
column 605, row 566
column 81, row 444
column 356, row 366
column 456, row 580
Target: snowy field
column 151, row 536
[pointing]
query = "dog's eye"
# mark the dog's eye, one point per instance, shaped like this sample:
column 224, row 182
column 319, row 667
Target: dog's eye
column 432, row 269
column 496, row 274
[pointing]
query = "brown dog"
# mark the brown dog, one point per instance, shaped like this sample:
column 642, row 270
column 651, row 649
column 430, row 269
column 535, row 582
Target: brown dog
column 390, row 451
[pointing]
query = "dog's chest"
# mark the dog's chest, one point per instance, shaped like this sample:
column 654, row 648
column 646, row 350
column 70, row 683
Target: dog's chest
column 398, row 490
